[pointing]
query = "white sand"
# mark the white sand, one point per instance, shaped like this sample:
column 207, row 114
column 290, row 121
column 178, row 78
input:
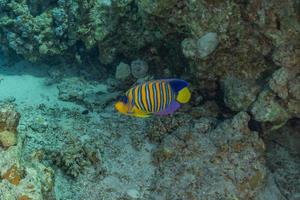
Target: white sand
column 25, row 83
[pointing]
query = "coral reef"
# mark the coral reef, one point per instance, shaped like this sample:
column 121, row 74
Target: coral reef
column 159, row 128
column 39, row 31
column 239, row 94
column 74, row 158
column 205, row 160
column 283, row 158
column 85, row 151
column 278, row 101
column 20, row 179
column 241, row 59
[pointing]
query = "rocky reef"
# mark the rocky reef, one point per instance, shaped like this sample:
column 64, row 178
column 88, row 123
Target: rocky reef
column 238, row 138
column 205, row 159
column 20, row 179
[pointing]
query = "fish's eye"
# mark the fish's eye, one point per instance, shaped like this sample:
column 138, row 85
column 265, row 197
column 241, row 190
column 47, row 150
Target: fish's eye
column 124, row 99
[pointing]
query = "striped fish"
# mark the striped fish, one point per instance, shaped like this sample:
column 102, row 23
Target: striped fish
column 154, row 97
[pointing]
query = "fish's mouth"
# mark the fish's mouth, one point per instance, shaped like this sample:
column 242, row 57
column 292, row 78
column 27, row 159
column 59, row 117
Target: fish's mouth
column 121, row 107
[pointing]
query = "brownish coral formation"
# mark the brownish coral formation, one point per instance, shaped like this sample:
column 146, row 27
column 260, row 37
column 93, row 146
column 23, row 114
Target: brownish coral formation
column 203, row 160
column 9, row 120
column 75, row 158
column 7, row 139
column 19, row 179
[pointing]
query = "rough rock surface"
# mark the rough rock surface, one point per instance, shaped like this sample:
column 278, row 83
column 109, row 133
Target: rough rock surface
column 20, row 179
column 92, row 95
column 88, row 149
column 139, row 68
column 85, row 151
column 207, row 44
column 239, row 94
column 279, row 100
column 9, row 120
column 7, row 139
column 283, row 158
column 206, row 160
column 122, row 71
column 266, row 109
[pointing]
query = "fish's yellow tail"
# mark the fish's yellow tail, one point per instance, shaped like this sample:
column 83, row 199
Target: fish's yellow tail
column 184, row 95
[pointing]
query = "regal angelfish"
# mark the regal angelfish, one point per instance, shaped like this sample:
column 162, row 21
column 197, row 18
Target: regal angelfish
column 159, row 97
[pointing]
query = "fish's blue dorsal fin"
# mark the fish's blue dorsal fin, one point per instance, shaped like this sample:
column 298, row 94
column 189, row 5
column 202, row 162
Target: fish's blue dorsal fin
column 177, row 84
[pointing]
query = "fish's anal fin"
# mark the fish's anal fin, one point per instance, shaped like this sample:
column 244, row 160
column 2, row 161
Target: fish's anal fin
column 139, row 113
column 170, row 109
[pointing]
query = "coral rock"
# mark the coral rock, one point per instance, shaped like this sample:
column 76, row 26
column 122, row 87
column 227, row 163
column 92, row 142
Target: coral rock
column 279, row 82
column 7, row 139
column 239, row 94
column 266, row 109
column 9, row 118
column 139, row 68
column 217, row 162
column 189, row 48
column 207, row 44
column 122, row 71
column 85, row 93
column 287, row 56
column 13, row 175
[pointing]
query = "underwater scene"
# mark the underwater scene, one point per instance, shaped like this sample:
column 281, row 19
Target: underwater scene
column 149, row 100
